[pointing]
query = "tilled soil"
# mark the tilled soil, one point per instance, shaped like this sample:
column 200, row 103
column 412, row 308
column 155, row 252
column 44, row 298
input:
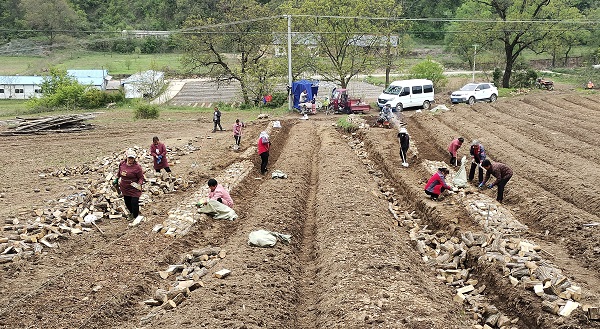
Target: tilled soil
column 349, row 264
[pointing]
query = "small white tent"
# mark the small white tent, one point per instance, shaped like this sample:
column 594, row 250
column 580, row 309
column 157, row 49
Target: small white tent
column 143, row 84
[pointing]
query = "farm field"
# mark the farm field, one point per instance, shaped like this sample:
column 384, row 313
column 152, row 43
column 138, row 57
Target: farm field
column 367, row 248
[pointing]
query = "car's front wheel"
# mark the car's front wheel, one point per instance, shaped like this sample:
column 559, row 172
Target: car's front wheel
column 471, row 100
column 493, row 98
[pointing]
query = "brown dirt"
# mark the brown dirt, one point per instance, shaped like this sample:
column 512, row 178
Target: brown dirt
column 349, row 265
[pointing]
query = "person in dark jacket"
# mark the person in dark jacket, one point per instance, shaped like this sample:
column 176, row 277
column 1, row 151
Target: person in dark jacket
column 158, row 151
column 453, row 149
column 436, row 185
column 477, row 156
column 217, row 120
column 404, row 140
column 130, row 178
column 502, row 172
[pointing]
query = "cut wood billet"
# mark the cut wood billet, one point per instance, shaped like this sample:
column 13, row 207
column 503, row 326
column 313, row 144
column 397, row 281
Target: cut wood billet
column 178, row 298
column 593, row 313
column 492, row 319
column 550, row 307
column 168, row 305
column 520, row 272
column 543, row 273
column 160, row 294
column 569, row 307
column 210, row 251
column 210, row 263
column 152, row 302
column 6, row 258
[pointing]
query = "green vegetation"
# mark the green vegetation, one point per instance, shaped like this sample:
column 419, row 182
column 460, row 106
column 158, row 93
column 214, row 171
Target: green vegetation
column 346, row 125
column 146, row 111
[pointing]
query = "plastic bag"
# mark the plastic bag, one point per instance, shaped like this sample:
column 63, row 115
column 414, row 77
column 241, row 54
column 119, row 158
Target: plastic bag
column 460, row 177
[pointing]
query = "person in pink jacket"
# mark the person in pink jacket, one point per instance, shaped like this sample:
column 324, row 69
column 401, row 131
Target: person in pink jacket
column 436, row 185
column 158, row 151
column 453, row 149
column 130, row 178
column 219, row 193
column 237, row 132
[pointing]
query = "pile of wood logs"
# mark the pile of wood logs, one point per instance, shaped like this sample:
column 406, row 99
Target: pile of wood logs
column 51, row 124
column 29, row 233
column 185, row 277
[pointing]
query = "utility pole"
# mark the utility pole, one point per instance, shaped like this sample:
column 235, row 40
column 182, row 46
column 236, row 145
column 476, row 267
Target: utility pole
column 289, row 53
column 474, row 53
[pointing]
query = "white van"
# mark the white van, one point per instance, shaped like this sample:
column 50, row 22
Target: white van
column 408, row 93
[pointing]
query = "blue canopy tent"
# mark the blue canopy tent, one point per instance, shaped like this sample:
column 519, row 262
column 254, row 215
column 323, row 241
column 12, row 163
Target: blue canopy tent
column 311, row 87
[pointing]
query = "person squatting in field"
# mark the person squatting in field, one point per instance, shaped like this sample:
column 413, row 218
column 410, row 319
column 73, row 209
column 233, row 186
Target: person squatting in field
column 436, row 185
column 219, row 193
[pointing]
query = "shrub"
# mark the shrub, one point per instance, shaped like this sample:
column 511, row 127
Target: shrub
column 523, row 78
column 346, row 125
column 146, row 111
column 496, row 76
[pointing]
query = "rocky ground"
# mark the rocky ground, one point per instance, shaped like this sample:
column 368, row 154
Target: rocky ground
column 367, row 248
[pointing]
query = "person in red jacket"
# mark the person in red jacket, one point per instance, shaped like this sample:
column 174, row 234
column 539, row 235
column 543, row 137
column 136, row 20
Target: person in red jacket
column 131, row 178
column 502, row 172
column 453, row 149
column 436, row 185
column 263, row 150
column 159, row 153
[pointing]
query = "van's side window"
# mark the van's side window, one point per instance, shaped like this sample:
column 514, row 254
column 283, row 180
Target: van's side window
column 405, row 91
column 417, row 90
column 428, row 88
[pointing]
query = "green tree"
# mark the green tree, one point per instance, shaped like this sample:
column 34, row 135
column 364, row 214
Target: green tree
column 233, row 46
column 509, row 26
column 431, row 70
column 350, row 45
column 52, row 16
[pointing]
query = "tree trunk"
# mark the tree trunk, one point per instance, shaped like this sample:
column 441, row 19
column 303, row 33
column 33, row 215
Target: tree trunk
column 508, row 50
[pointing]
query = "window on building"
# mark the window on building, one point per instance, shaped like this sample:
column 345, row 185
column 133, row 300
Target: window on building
column 19, row 91
column 1, row 91
column 37, row 91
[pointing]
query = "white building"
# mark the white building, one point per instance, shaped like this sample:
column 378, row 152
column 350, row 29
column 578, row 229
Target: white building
column 26, row 87
column 20, row 87
column 143, row 84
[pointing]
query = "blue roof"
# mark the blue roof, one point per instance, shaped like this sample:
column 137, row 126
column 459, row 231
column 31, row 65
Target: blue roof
column 87, row 73
column 21, row 80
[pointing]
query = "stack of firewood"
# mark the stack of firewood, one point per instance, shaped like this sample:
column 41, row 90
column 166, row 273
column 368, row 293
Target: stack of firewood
column 51, row 124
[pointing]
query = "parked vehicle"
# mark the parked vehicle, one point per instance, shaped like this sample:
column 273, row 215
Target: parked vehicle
column 340, row 102
column 542, row 83
column 408, row 93
column 473, row 92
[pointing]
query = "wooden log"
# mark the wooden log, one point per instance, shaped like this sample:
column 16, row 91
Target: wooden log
column 210, row 251
column 161, row 295
column 550, row 307
column 593, row 313
column 569, row 307
column 152, row 302
column 178, row 299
